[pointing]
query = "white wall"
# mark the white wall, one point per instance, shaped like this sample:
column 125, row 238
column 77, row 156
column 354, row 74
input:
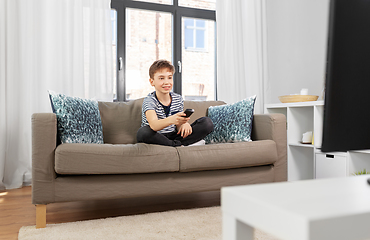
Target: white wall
column 296, row 46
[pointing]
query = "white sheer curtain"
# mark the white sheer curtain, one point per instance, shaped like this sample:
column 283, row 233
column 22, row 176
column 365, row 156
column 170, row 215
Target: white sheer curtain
column 61, row 45
column 240, row 51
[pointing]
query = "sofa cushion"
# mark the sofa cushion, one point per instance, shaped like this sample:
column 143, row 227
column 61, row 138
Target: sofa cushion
column 227, row 155
column 115, row 159
column 121, row 120
column 78, row 119
column 232, row 122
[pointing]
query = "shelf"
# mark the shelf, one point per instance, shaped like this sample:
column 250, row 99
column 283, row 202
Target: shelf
column 301, row 117
column 300, row 120
column 358, row 161
column 296, row 104
column 306, row 161
column 361, row 151
column 301, row 145
column 300, row 162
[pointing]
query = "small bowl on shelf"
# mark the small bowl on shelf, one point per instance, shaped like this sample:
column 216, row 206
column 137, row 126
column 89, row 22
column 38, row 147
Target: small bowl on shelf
column 297, row 98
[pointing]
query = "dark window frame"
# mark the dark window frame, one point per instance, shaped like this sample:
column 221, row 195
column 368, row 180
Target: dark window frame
column 177, row 13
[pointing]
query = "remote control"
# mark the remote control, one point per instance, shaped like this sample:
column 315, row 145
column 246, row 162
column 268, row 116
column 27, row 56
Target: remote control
column 188, row 112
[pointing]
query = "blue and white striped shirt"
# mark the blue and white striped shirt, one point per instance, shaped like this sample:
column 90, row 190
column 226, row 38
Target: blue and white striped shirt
column 151, row 103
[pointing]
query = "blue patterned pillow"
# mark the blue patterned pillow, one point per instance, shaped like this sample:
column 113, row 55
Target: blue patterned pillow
column 232, row 122
column 78, row 119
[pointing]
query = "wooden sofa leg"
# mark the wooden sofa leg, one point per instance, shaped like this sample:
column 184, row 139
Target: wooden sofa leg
column 40, row 216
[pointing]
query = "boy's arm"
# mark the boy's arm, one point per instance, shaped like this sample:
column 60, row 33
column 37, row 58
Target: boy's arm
column 184, row 129
column 158, row 125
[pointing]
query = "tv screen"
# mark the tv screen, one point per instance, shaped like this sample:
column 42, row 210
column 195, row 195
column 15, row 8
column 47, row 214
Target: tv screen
column 347, row 92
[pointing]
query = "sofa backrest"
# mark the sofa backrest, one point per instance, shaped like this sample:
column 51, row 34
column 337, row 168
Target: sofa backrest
column 122, row 120
column 200, row 108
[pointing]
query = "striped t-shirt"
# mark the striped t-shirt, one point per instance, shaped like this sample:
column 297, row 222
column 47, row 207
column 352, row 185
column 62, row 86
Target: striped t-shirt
column 151, row 103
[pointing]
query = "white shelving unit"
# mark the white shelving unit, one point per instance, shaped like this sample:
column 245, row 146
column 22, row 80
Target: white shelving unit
column 306, row 161
column 301, row 117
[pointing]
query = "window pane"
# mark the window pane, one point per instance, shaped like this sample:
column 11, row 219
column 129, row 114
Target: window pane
column 200, row 23
column 203, row 4
column 114, row 50
column 148, row 38
column 189, row 22
column 200, row 38
column 189, row 38
column 198, row 66
column 157, row 1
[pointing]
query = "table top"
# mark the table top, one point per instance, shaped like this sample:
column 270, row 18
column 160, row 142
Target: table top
column 311, row 198
column 303, row 208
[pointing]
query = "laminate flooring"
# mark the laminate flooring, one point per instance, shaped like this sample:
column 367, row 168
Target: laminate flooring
column 16, row 209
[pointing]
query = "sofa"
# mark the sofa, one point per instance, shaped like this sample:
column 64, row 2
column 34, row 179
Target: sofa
column 123, row 168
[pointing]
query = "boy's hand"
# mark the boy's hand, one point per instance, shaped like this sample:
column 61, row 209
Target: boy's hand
column 185, row 130
column 179, row 119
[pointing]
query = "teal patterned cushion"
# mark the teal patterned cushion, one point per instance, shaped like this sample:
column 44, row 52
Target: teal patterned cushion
column 232, row 122
column 78, row 119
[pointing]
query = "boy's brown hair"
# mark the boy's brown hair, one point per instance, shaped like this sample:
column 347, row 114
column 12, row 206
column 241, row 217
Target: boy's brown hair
column 159, row 64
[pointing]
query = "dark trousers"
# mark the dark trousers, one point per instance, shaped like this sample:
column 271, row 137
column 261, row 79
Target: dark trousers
column 201, row 128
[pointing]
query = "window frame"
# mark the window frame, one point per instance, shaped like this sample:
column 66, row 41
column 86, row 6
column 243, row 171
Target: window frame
column 178, row 12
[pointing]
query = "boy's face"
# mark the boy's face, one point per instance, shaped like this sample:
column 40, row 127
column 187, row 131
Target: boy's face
column 162, row 81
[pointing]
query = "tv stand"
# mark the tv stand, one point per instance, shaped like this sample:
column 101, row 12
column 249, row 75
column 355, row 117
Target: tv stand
column 306, row 161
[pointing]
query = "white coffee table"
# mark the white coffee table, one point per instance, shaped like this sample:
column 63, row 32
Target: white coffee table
column 337, row 208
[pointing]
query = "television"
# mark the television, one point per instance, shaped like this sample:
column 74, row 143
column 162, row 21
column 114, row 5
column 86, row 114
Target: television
column 346, row 123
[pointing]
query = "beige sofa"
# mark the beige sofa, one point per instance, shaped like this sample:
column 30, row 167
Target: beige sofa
column 122, row 168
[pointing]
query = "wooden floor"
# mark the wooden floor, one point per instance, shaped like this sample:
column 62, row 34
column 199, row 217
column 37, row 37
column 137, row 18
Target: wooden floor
column 16, row 209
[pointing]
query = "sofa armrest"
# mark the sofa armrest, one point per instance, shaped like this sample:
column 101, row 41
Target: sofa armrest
column 273, row 127
column 44, row 141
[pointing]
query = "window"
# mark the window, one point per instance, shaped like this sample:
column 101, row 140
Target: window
column 148, row 37
column 195, row 32
column 113, row 17
column 184, row 34
column 198, row 59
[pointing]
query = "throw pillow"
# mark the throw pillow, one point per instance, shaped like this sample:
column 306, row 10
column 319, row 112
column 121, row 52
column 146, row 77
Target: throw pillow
column 232, row 122
column 78, row 119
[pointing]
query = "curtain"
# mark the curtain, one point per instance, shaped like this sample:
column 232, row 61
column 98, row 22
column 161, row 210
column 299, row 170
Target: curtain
column 241, row 65
column 64, row 46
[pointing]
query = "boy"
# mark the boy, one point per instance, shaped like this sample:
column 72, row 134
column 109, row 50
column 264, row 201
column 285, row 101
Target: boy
column 163, row 120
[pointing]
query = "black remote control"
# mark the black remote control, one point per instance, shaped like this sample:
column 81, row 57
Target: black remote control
column 188, row 112
column 368, row 181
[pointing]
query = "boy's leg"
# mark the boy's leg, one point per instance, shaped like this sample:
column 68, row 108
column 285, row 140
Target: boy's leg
column 201, row 128
column 147, row 135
